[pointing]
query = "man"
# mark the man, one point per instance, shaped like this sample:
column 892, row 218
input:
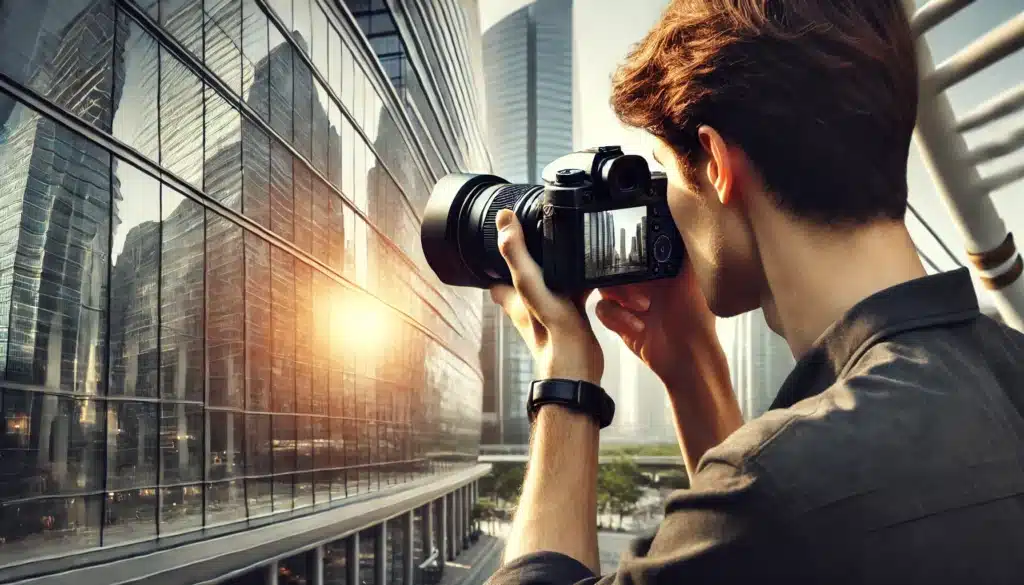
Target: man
column 894, row 453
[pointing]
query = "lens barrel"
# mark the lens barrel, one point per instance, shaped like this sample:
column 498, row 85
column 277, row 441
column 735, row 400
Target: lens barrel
column 459, row 236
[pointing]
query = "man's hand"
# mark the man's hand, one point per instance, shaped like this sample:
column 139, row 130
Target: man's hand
column 661, row 321
column 556, row 329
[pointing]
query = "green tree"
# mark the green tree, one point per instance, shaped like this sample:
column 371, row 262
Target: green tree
column 619, row 487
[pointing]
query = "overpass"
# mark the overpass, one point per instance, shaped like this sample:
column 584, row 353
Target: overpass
column 641, row 460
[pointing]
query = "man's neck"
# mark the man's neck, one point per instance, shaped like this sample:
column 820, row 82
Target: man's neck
column 816, row 275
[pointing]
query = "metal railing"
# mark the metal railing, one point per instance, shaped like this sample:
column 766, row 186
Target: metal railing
column 954, row 166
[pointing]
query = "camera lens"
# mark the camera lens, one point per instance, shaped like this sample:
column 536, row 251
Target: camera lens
column 459, row 236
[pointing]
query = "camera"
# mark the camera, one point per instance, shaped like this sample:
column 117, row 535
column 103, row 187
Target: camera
column 600, row 219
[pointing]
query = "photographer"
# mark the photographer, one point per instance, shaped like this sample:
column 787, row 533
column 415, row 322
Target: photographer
column 894, row 452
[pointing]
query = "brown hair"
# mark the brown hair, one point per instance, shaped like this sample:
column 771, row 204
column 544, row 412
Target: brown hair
column 820, row 94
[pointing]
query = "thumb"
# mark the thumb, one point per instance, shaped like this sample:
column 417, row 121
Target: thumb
column 526, row 274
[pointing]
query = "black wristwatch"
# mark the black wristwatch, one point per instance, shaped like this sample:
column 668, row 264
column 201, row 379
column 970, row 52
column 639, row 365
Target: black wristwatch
column 576, row 395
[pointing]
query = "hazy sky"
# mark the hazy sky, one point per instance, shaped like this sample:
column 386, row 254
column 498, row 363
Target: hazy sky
column 606, row 29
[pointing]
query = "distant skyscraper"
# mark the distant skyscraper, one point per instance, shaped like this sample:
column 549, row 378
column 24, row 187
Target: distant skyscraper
column 528, row 77
column 759, row 361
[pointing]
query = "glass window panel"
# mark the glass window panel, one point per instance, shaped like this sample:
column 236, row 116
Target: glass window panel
column 259, row 496
column 302, row 109
column 348, row 148
column 295, row 570
column 395, row 551
column 281, row 196
column 224, row 41
column 181, row 509
column 258, row 445
column 303, row 205
column 336, row 232
column 181, row 120
column 49, row 526
column 62, row 50
column 336, row 562
column 283, row 328
column 321, row 128
column 337, row 449
column 133, row 429
column 223, row 170
column 225, row 297
column 255, row 64
column 257, row 323
column 356, row 107
column 303, row 25
column 320, row 221
column 283, row 8
column 135, row 122
column 303, row 443
column 334, row 138
column 227, row 437
column 320, row 42
column 321, row 437
column 256, row 174
column 334, row 75
column 54, row 238
column 181, row 443
column 225, row 502
column 303, row 337
column 184, row 20
column 280, row 84
column 367, row 557
column 320, row 316
column 135, row 276
column 284, row 460
column 51, row 444
column 130, row 516
column 348, row 67
column 181, row 298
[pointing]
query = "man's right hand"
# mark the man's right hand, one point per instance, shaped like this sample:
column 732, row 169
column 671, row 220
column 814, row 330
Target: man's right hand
column 663, row 322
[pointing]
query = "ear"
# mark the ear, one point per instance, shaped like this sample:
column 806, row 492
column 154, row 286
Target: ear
column 720, row 169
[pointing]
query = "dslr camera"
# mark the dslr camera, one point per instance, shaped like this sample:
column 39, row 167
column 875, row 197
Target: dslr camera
column 600, row 219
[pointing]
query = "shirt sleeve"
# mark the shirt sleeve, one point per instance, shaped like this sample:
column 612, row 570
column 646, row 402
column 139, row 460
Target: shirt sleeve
column 724, row 529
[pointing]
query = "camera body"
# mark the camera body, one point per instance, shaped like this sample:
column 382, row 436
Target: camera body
column 600, row 219
column 606, row 222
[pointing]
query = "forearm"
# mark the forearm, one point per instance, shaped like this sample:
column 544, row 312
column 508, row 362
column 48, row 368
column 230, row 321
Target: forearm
column 703, row 402
column 557, row 510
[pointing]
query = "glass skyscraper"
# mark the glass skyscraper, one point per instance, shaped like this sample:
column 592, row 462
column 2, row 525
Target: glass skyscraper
column 215, row 317
column 528, row 74
column 759, row 361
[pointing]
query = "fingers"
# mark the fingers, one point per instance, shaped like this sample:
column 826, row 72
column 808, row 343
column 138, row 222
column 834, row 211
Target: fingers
column 526, row 274
column 618, row 318
column 635, row 297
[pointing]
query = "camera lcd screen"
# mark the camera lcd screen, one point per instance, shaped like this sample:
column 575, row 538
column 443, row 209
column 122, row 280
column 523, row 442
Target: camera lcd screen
column 615, row 242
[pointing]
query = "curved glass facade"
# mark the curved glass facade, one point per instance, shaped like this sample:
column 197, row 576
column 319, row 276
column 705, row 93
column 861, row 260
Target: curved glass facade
column 213, row 303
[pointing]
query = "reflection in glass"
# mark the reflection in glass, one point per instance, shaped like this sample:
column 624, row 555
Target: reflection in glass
column 134, row 121
column 223, row 143
column 184, row 20
column 181, row 443
column 281, row 196
column 181, row 509
column 225, row 502
column 320, row 431
column 224, row 42
column 283, row 9
column 283, row 330
column 258, row 464
column 334, row 158
column 51, row 444
column 129, row 516
column 367, row 556
column 303, row 25
column 335, row 60
column 348, row 171
column 132, row 452
column 227, row 432
column 225, row 297
column 335, row 562
column 134, row 302
column 257, row 323
column 320, row 41
column 255, row 174
column 181, row 120
column 303, row 206
column 281, row 84
column 50, row 525
column 321, row 128
column 337, row 458
column 283, row 430
column 255, row 65
column 181, row 298
column 54, row 238
column 303, row 108
column 395, row 551
column 61, row 49
column 320, row 224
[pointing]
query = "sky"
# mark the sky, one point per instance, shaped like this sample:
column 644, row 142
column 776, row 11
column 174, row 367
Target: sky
column 604, row 31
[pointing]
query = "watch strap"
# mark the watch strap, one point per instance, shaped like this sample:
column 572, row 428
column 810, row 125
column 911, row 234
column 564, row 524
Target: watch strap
column 576, row 395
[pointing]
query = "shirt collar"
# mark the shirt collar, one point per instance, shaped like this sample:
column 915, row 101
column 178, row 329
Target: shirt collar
column 939, row 299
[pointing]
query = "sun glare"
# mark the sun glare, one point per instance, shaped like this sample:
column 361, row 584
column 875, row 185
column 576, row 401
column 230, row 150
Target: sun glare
column 361, row 324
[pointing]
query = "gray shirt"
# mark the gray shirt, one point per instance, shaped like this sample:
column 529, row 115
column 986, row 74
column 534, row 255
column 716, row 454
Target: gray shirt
column 894, row 453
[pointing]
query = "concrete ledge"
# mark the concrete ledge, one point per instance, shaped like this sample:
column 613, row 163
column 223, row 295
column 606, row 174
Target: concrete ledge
column 211, row 560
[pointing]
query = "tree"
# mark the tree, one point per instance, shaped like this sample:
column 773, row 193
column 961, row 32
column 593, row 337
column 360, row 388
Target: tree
column 619, row 487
